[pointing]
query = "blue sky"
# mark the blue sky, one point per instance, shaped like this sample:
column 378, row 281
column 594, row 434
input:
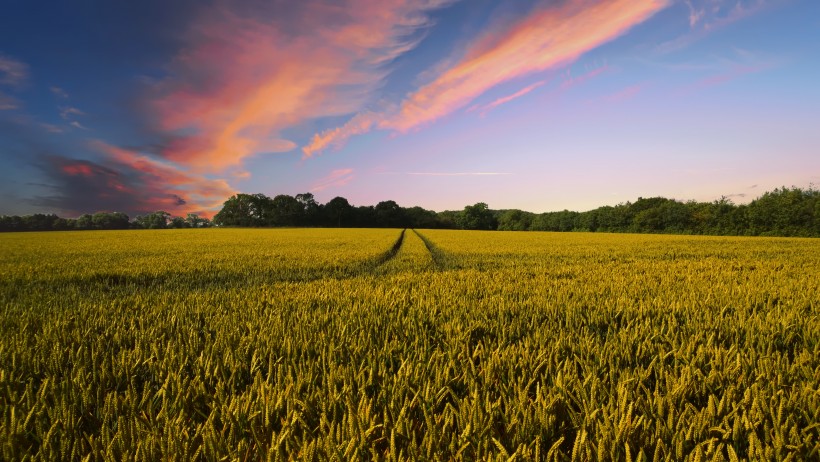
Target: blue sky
column 538, row 105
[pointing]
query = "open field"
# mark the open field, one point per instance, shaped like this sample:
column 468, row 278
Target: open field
column 385, row 344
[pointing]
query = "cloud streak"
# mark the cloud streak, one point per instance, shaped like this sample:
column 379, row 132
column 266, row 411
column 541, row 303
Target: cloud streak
column 12, row 72
column 336, row 179
column 127, row 181
column 358, row 125
column 706, row 16
column 506, row 99
column 549, row 37
column 458, row 173
column 245, row 77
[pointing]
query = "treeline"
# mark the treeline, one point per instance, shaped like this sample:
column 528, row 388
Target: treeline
column 100, row 220
column 782, row 212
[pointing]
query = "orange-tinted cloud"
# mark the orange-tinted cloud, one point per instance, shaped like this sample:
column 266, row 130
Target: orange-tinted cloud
column 550, row 37
column 359, row 124
column 78, row 169
column 246, row 77
column 336, row 178
column 164, row 186
column 546, row 39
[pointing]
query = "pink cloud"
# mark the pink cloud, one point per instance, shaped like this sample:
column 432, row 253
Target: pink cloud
column 242, row 80
column 732, row 69
column 506, row 99
column 163, row 185
column 359, row 124
column 459, row 173
column 77, row 169
column 546, row 39
column 571, row 81
column 336, row 178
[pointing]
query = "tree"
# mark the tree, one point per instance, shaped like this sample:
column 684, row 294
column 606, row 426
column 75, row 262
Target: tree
column 390, row 215
column 336, row 209
column 785, row 212
column 154, row 220
column 105, row 220
column 245, row 210
column 178, row 222
column 311, row 210
column 418, row 217
column 286, row 211
column 477, row 216
column 515, row 220
column 85, row 221
column 195, row 221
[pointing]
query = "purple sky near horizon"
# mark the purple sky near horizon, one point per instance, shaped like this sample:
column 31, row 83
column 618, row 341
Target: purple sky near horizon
column 533, row 104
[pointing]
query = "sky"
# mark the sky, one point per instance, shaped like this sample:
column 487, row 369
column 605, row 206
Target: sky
column 539, row 105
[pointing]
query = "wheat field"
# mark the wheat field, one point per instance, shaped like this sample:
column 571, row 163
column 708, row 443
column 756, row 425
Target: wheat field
column 387, row 344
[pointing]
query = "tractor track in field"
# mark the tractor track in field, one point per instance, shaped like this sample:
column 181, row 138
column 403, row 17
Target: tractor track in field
column 392, row 252
column 438, row 256
column 201, row 280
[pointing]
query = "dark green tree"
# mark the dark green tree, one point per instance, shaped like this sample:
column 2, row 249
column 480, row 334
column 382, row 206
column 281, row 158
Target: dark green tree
column 390, row 215
column 337, row 211
column 515, row 220
column 477, row 216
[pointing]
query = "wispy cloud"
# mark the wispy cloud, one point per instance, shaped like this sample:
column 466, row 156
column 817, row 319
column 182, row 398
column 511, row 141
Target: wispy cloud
column 52, row 128
column 706, row 16
column 12, row 72
column 162, row 182
column 336, row 179
column 624, row 94
column 76, row 124
column 8, row 103
column 67, row 112
column 506, row 99
column 242, row 79
column 725, row 69
column 359, row 124
column 550, row 37
column 58, row 92
column 570, row 80
column 458, row 173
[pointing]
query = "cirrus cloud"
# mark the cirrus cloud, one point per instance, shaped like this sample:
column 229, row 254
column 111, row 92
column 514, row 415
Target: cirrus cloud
column 550, row 37
column 245, row 77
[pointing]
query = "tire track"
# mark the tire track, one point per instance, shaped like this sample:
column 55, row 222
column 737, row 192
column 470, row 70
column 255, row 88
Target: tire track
column 440, row 259
column 392, row 252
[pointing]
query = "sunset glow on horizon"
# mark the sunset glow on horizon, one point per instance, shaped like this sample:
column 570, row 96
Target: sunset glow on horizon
column 538, row 105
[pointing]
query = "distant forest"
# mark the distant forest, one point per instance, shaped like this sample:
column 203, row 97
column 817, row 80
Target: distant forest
column 782, row 212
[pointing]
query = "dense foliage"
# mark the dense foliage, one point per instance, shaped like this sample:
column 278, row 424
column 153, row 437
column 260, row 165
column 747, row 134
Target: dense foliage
column 782, row 212
column 320, row 344
column 100, row 221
